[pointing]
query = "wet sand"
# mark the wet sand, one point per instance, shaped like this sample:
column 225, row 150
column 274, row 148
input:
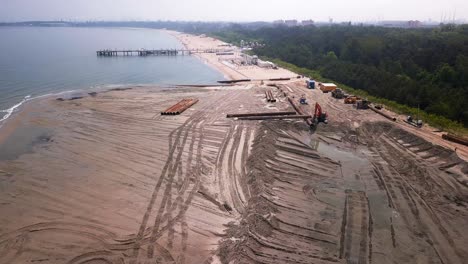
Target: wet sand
column 113, row 181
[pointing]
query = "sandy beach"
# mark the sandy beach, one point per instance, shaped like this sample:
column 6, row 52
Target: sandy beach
column 105, row 178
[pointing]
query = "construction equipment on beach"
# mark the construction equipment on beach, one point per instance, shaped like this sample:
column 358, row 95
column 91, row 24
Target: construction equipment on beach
column 179, row 107
column 327, row 87
column 362, row 104
column 319, row 116
column 338, row 93
column 351, row 99
column 416, row 123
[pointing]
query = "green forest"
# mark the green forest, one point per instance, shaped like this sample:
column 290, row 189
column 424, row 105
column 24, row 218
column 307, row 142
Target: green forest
column 415, row 67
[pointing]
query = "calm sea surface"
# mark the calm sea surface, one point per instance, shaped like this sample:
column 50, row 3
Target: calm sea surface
column 37, row 61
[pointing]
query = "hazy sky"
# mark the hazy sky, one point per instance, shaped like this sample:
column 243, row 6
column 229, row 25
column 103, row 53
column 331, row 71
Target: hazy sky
column 235, row 10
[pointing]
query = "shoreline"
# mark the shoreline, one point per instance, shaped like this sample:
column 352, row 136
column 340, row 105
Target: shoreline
column 215, row 61
column 190, row 41
column 105, row 178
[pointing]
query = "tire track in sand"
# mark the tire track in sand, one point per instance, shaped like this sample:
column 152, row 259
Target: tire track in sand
column 184, row 206
column 166, row 202
column 172, row 148
column 355, row 245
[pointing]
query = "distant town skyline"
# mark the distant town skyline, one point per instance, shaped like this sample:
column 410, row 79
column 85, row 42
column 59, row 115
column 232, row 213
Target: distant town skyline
column 240, row 10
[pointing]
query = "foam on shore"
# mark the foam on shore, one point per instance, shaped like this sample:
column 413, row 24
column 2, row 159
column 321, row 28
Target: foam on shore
column 12, row 109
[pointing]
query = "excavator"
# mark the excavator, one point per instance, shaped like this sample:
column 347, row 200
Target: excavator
column 319, row 116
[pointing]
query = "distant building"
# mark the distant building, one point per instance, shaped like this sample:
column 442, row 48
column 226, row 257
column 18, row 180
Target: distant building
column 307, row 22
column 401, row 23
column 414, row 23
column 291, row 23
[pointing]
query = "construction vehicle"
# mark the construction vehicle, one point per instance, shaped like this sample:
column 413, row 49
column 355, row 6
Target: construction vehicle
column 319, row 116
column 303, row 100
column 327, row 87
column 338, row 93
column 351, row 99
column 362, row 104
column 416, row 123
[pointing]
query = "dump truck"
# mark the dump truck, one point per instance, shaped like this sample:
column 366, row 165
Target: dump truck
column 338, row 93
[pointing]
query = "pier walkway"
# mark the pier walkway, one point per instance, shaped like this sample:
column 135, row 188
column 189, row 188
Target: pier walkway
column 159, row 52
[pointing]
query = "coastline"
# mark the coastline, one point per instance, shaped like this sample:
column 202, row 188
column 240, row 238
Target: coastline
column 238, row 72
column 105, row 178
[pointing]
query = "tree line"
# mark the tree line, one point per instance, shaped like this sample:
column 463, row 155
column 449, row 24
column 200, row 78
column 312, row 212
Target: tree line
column 416, row 67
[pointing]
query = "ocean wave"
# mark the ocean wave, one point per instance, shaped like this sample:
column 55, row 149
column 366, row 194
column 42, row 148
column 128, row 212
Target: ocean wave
column 27, row 98
column 12, row 109
column 98, row 88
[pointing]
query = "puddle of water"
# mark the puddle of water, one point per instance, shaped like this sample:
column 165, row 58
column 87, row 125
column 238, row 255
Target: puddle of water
column 334, row 153
column 351, row 164
column 22, row 141
column 380, row 212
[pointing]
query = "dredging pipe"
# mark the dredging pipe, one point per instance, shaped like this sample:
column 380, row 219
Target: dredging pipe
column 275, row 117
column 262, row 114
column 382, row 114
column 456, row 139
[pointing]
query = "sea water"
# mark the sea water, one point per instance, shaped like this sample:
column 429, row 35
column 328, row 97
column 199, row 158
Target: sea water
column 35, row 61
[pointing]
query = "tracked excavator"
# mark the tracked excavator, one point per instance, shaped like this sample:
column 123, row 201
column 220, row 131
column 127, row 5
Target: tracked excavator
column 319, row 116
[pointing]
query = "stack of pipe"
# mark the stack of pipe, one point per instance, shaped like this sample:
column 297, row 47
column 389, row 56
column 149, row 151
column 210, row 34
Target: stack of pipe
column 179, row 107
column 269, row 96
column 309, row 119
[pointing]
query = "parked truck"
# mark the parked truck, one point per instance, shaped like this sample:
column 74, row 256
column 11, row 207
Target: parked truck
column 338, row 93
column 327, row 87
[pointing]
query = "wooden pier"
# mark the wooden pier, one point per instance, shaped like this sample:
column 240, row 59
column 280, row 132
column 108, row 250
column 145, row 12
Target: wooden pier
column 159, row 52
